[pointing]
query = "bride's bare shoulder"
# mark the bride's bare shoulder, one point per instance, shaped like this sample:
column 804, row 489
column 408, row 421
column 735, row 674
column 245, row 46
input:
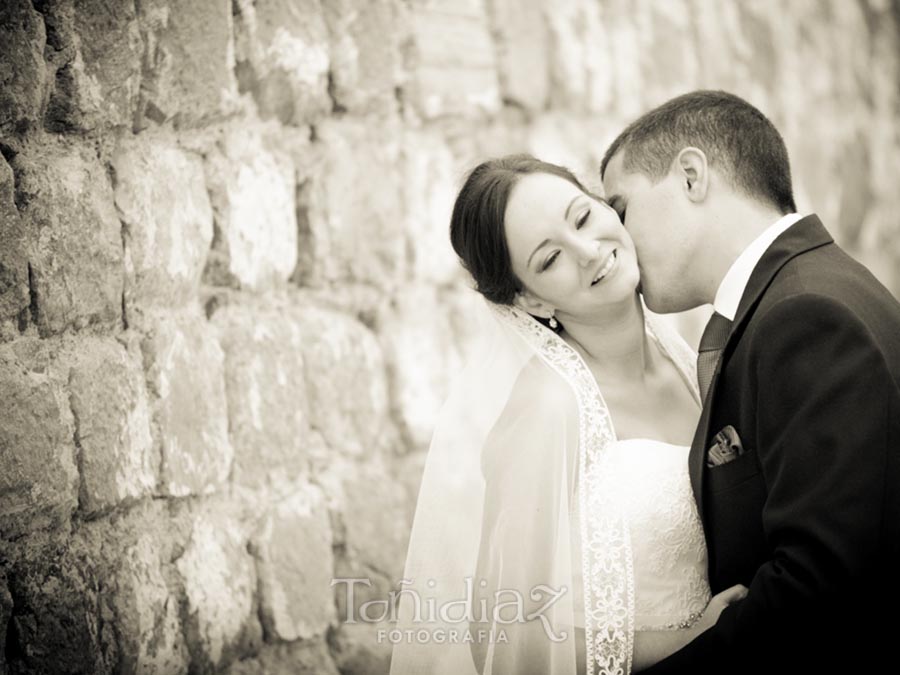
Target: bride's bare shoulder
column 540, row 390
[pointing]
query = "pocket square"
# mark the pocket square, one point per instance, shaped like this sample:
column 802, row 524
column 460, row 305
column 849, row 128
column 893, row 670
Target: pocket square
column 726, row 447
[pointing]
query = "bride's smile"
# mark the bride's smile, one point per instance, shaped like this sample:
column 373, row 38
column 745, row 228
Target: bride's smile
column 606, row 269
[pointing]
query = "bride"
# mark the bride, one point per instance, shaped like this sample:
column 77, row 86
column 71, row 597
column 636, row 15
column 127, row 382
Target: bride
column 556, row 531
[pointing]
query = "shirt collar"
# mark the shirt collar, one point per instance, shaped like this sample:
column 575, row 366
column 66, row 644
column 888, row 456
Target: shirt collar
column 735, row 280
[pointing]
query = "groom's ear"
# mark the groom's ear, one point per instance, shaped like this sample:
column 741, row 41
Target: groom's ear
column 525, row 300
column 693, row 171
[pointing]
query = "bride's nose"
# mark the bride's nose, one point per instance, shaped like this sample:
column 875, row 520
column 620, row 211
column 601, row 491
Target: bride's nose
column 586, row 250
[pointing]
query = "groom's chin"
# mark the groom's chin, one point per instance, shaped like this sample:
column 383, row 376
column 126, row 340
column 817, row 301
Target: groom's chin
column 657, row 303
column 667, row 304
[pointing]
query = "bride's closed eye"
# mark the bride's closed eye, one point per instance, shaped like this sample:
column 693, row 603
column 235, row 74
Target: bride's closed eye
column 549, row 261
column 579, row 223
column 582, row 219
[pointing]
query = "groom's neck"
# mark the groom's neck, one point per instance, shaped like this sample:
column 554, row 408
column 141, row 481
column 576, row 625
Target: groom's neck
column 733, row 223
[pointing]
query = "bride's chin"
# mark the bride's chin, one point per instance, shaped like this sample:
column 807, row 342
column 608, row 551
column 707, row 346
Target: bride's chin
column 634, row 278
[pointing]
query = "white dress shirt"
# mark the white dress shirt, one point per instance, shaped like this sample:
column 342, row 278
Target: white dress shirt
column 735, row 280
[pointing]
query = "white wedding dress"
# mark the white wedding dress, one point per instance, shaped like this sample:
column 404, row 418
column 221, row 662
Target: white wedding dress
column 528, row 492
column 668, row 550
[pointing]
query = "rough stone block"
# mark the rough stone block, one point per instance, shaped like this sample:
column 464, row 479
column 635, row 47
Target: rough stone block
column 345, row 373
column 268, row 410
column 112, row 425
column 161, row 197
column 454, row 69
column 429, row 190
column 523, row 51
column 366, row 58
column 718, row 34
column 473, row 143
column 14, row 298
column 652, row 60
column 252, row 192
column 376, row 516
column 57, row 617
column 358, row 651
column 23, row 73
column 353, row 230
column 188, row 59
column 219, row 582
column 150, row 635
column 304, row 657
column 75, row 241
column 185, row 375
column 580, row 55
column 576, row 142
column 38, row 472
column 296, row 598
column 372, row 511
column 282, row 58
column 422, row 350
column 98, row 599
column 95, row 49
column 6, row 609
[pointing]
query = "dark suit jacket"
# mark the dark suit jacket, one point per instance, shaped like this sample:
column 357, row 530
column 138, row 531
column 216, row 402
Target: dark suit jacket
column 809, row 517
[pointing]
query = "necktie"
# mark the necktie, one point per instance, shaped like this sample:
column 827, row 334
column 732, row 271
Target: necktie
column 711, row 345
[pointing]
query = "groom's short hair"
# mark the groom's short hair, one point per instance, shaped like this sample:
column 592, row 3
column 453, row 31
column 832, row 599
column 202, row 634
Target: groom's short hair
column 738, row 140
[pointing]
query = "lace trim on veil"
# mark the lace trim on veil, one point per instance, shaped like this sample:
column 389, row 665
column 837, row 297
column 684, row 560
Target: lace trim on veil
column 676, row 348
column 606, row 546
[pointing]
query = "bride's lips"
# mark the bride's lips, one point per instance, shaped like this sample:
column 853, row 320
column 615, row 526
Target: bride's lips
column 604, row 270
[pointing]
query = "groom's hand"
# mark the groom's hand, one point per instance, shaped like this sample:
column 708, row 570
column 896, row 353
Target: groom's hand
column 718, row 603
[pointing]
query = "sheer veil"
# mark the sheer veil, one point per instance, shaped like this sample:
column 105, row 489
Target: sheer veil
column 513, row 493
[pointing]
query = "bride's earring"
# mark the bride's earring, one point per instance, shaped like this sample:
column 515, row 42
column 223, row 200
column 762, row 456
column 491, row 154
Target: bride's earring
column 554, row 324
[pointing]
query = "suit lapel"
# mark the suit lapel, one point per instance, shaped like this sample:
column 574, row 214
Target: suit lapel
column 806, row 234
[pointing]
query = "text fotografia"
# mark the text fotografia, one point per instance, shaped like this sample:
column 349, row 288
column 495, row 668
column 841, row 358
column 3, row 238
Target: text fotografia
column 424, row 636
column 457, row 620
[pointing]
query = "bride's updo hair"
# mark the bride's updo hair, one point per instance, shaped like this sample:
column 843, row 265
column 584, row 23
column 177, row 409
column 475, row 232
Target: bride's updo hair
column 477, row 229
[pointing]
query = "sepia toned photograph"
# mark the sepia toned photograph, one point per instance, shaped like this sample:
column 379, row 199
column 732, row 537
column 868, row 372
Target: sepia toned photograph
column 449, row 337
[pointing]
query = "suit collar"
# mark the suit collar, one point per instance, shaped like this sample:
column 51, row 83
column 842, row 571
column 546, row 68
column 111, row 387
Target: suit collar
column 805, row 235
column 732, row 286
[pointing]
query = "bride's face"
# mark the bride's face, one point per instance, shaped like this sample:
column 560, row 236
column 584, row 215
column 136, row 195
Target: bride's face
column 568, row 249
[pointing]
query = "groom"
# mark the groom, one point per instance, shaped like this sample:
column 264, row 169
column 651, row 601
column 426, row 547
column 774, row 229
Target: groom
column 795, row 464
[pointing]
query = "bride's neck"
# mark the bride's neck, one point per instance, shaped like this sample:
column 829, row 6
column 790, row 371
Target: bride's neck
column 614, row 341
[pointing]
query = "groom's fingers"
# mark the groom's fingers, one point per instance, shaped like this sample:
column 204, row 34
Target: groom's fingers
column 719, row 602
column 733, row 594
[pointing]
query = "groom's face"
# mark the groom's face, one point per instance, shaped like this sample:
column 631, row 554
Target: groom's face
column 655, row 216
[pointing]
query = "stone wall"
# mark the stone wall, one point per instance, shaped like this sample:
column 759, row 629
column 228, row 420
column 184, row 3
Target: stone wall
column 228, row 307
